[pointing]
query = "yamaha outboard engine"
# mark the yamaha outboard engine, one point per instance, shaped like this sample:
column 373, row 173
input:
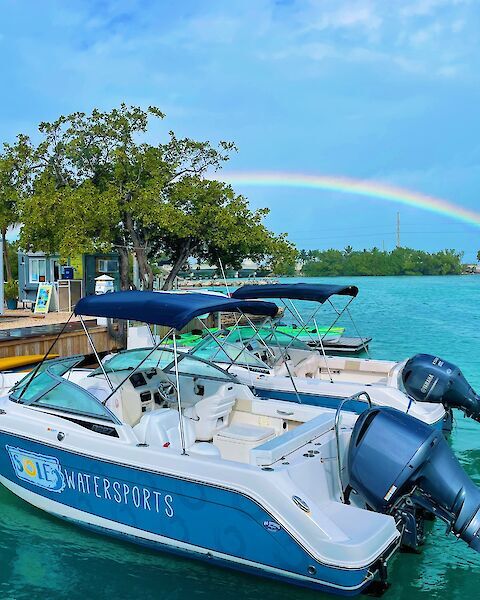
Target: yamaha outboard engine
column 401, row 466
column 430, row 379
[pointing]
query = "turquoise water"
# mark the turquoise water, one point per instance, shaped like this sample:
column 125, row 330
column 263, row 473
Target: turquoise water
column 41, row 557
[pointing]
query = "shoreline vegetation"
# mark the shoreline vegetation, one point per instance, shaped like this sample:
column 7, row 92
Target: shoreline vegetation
column 400, row 261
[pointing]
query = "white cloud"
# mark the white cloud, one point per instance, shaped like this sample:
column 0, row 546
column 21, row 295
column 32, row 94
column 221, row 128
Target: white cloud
column 361, row 14
column 449, row 71
column 415, row 36
column 423, row 8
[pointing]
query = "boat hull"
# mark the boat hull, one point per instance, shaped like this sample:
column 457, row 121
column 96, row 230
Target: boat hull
column 207, row 522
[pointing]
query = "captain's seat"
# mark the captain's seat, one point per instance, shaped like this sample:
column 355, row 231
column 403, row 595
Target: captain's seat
column 210, row 415
column 161, row 427
column 284, row 369
column 309, row 367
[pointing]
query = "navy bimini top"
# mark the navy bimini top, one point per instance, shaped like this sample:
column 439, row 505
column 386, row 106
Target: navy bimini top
column 317, row 292
column 171, row 309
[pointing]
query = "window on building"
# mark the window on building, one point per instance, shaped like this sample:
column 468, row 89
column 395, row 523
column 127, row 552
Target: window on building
column 55, row 269
column 38, row 270
column 107, row 265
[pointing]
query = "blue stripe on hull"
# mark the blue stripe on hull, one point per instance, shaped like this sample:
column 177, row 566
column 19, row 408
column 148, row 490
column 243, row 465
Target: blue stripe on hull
column 205, row 516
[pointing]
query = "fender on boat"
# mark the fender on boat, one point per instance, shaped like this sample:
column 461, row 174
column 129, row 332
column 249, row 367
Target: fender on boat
column 401, row 466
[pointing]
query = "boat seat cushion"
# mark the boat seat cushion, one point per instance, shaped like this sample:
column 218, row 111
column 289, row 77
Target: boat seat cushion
column 161, row 427
column 246, row 433
column 211, row 414
column 309, row 367
column 276, row 448
column 281, row 369
column 236, row 441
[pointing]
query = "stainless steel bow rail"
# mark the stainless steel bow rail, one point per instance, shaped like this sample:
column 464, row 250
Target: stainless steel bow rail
column 356, row 396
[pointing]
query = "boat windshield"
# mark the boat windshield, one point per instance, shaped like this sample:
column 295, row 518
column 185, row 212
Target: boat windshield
column 128, row 360
column 48, row 389
column 195, row 367
column 225, row 352
column 57, row 366
column 163, row 358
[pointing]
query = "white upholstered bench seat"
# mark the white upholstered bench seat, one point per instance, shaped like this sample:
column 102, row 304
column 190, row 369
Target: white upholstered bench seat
column 278, row 447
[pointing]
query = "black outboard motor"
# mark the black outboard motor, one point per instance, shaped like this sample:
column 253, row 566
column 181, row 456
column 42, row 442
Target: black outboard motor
column 401, row 466
column 428, row 378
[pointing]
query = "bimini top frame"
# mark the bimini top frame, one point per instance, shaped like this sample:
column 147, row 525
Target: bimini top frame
column 316, row 292
column 171, row 309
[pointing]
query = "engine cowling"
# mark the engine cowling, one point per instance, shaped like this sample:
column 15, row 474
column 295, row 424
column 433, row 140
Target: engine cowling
column 428, row 378
column 401, row 466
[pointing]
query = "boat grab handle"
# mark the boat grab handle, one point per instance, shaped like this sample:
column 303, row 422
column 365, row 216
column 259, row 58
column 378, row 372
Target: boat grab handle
column 344, row 401
column 285, row 412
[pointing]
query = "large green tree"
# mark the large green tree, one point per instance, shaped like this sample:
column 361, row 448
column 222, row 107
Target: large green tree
column 15, row 176
column 102, row 185
column 206, row 220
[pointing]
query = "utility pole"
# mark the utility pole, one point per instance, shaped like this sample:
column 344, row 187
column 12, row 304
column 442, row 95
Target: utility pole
column 398, row 230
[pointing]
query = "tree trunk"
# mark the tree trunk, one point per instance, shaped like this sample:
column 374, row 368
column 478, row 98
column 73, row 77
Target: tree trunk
column 144, row 268
column 6, row 262
column 124, row 268
column 177, row 266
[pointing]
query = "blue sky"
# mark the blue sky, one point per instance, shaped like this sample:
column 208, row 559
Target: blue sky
column 374, row 89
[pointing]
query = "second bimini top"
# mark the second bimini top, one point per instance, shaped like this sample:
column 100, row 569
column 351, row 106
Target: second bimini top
column 171, row 309
column 317, row 292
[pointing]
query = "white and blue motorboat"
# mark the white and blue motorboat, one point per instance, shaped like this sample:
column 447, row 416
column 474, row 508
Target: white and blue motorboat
column 283, row 367
column 187, row 459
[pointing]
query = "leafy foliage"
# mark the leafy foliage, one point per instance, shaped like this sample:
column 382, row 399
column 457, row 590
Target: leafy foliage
column 401, row 261
column 15, row 167
column 10, row 290
column 99, row 186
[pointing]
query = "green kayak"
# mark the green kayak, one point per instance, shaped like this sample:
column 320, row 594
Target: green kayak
column 306, row 335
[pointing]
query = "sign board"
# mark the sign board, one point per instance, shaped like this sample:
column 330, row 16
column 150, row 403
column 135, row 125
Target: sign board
column 77, row 263
column 44, row 296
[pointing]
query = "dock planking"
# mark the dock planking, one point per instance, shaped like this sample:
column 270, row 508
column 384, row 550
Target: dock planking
column 24, row 341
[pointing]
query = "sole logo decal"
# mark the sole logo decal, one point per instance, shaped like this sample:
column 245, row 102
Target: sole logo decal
column 37, row 469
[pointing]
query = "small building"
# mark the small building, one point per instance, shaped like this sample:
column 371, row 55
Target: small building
column 249, row 268
column 473, row 269
column 37, row 267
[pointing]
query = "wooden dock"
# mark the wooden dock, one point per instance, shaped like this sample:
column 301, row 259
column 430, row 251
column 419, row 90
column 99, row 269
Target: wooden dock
column 351, row 346
column 25, row 341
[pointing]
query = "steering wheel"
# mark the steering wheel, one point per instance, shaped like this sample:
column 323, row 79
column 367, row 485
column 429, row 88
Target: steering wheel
column 166, row 390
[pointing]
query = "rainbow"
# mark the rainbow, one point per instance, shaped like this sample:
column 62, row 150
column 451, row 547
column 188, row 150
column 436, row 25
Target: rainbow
column 358, row 187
